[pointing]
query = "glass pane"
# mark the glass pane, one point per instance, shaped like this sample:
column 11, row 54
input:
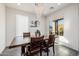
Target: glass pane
column 60, row 27
column 53, row 29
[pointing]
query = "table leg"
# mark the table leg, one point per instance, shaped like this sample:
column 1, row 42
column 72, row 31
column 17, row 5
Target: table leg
column 22, row 50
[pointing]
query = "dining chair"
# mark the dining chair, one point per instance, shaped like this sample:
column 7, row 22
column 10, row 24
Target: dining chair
column 23, row 50
column 35, row 46
column 49, row 42
column 26, row 34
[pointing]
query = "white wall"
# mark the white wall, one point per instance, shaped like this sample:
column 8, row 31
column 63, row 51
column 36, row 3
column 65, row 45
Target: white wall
column 11, row 23
column 42, row 26
column 71, row 23
column 2, row 28
column 11, row 26
column 78, row 27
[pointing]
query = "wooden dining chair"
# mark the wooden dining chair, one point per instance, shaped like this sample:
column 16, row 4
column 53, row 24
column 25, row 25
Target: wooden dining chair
column 26, row 34
column 35, row 45
column 49, row 42
column 23, row 50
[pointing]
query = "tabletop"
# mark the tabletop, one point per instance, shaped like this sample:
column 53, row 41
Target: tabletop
column 20, row 41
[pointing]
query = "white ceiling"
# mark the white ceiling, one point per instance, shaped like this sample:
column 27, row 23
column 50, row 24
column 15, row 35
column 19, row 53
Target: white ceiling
column 29, row 7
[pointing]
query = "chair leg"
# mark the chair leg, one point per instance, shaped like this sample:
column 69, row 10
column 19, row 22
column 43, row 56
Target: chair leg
column 47, row 51
column 53, row 50
column 30, row 53
column 26, row 52
column 40, row 52
column 40, row 49
column 22, row 50
column 29, row 50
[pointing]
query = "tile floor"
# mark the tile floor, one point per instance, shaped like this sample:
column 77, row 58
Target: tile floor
column 59, row 51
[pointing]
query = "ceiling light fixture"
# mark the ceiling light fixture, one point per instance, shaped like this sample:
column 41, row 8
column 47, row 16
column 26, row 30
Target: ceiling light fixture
column 39, row 9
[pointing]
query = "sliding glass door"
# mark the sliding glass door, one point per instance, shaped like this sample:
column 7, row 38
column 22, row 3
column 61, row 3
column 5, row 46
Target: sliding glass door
column 58, row 27
column 61, row 27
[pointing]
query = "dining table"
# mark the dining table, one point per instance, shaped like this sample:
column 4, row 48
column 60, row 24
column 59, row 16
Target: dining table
column 21, row 41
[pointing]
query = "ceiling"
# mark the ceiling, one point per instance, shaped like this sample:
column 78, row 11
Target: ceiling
column 29, row 7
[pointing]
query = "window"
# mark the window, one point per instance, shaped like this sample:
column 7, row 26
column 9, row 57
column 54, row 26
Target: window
column 57, row 26
column 21, row 24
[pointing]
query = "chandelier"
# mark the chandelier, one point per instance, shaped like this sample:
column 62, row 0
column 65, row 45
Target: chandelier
column 39, row 9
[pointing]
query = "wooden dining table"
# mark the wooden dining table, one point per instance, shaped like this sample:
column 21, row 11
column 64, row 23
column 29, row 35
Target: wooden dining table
column 20, row 41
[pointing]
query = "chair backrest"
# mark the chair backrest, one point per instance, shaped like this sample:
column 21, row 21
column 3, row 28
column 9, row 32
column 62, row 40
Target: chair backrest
column 26, row 34
column 51, row 39
column 36, row 40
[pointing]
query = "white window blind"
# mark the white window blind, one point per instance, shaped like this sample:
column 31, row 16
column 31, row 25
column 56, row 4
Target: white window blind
column 21, row 24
